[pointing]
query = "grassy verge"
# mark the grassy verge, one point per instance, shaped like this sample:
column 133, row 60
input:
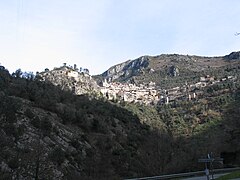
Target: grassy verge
column 232, row 175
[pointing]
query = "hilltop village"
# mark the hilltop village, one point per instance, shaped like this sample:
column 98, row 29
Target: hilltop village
column 79, row 82
column 150, row 94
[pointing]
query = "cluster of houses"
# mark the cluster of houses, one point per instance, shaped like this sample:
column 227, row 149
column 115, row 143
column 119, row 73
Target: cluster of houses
column 69, row 71
column 145, row 93
column 149, row 93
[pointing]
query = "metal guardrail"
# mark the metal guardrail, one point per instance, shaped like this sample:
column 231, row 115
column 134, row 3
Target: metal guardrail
column 180, row 175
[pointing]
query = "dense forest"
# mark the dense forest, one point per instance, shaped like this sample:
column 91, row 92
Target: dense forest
column 47, row 133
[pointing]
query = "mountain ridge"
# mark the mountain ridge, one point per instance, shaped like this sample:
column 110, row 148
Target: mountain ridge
column 137, row 70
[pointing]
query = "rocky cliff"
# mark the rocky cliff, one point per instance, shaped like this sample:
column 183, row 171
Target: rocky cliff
column 126, row 70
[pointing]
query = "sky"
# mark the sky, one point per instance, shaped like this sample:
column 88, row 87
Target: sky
column 97, row 34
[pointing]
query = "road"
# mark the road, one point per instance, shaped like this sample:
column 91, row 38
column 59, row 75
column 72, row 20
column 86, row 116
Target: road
column 205, row 178
column 198, row 175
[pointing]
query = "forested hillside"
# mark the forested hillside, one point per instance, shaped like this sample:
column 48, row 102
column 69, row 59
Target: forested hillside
column 47, row 133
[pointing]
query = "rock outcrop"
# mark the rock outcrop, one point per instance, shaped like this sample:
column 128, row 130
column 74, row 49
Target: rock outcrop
column 174, row 71
column 68, row 78
column 126, row 69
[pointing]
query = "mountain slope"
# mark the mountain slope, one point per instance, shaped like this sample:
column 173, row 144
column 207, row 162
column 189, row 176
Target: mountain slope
column 47, row 132
column 171, row 70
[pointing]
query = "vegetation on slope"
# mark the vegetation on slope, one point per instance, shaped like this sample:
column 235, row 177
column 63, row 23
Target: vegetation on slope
column 44, row 128
column 198, row 127
column 47, row 133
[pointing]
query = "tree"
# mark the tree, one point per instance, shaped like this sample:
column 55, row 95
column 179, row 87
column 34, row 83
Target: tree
column 17, row 74
column 4, row 78
column 28, row 75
